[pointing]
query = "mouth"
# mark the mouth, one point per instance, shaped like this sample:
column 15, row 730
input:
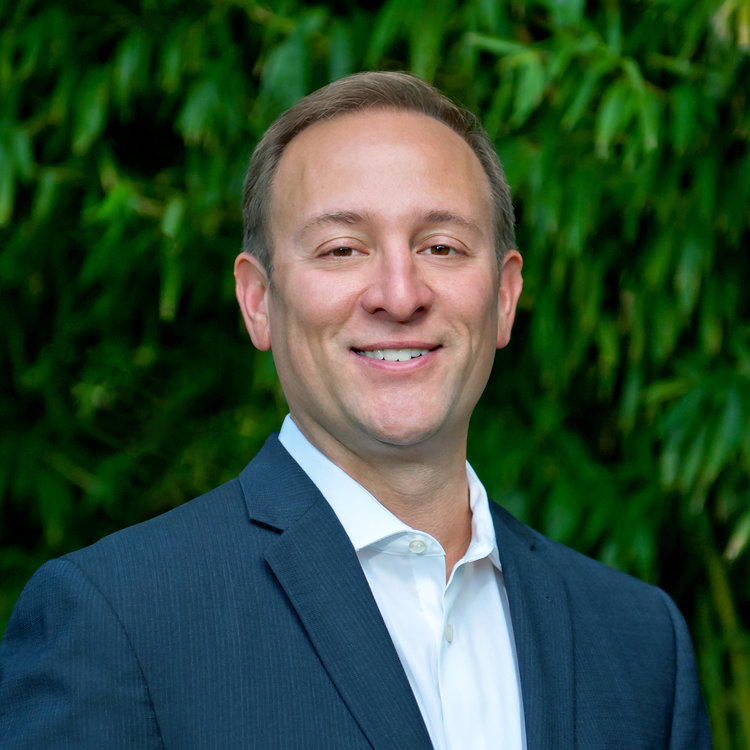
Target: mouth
column 393, row 355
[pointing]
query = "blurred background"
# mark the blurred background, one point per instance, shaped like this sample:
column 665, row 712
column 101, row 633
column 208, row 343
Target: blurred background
column 618, row 420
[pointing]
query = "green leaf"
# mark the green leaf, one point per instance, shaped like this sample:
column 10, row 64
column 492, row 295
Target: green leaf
column 426, row 37
column 582, row 99
column 631, row 396
column 692, row 460
column 689, row 275
column 62, row 100
column 171, row 282
column 649, row 115
column 392, row 17
column 7, row 186
column 90, row 110
column 130, row 73
column 284, row 75
column 710, row 327
column 55, row 504
column 530, row 88
column 613, row 27
column 489, row 13
column 566, row 12
column 173, row 216
column 45, row 195
column 22, row 153
column 31, row 44
column 740, row 538
column 726, row 437
column 196, row 116
column 613, row 116
column 341, row 57
column 633, row 75
column 495, row 45
column 171, row 59
column 497, row 115
column 683, row 101
column 666, row 324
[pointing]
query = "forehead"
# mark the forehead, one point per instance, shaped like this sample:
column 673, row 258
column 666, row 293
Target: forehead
column 378, row 159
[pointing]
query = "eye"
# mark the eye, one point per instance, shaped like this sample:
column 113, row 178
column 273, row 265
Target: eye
column 342, row 252
column 441, row 250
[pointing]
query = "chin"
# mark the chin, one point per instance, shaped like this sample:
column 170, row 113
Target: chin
column 404, row 434
column 410, row 422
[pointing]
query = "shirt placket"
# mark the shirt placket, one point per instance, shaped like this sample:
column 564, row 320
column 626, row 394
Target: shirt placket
column 450, row 646
column 429, row 576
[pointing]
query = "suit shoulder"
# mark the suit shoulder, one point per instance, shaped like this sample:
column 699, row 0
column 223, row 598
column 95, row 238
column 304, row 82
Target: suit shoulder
column 203, row 516
column 584, row 576
column 180, row 551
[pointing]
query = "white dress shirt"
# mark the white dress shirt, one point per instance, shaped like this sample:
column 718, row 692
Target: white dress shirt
column 454, row 640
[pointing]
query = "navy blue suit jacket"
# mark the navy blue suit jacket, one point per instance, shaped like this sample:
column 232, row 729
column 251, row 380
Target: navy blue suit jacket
column 242, row 619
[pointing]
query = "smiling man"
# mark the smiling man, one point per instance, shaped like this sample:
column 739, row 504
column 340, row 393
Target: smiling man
column 386, row 305
column 354, row 587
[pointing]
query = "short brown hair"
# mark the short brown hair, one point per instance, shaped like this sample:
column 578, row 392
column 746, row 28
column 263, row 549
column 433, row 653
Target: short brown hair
column 357, row 93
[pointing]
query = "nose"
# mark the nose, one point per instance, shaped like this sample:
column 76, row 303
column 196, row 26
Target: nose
column 397, row 288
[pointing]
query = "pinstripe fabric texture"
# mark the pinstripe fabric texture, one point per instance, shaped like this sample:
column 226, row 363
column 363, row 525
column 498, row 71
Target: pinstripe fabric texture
column 242, row 620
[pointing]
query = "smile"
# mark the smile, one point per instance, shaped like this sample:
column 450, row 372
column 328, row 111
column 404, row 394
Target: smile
column 393, row 355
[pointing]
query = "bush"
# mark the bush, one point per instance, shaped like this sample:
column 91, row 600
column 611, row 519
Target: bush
column 616, row 422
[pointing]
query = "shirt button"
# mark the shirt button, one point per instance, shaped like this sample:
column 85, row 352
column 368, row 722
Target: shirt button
column 449, row 633
column 417, row 546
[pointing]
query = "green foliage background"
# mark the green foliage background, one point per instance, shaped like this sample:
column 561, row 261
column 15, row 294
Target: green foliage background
column 618, row 421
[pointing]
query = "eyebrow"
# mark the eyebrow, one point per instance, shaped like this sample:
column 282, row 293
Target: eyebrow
column 351, row 218
column 448, row 217
column 335, row 217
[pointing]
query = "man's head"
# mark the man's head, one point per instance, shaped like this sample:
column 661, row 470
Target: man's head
column 387, row 300
column 357, row 93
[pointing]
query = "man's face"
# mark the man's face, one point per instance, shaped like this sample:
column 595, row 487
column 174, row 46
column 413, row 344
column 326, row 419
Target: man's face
column 385, row 310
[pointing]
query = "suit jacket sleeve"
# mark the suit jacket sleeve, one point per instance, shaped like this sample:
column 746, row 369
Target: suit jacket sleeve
column 68, row 675
column 690, row 728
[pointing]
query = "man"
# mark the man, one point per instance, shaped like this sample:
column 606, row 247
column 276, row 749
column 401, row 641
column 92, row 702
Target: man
column 354, row 588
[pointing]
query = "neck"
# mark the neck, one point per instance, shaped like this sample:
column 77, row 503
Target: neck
column 424, row 487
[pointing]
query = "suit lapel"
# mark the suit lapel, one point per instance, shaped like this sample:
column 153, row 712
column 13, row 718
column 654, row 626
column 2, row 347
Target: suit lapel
column 318, row 569
column 543, row 635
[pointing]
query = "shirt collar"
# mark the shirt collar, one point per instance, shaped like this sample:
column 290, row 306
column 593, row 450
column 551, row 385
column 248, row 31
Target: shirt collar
column 366, row 521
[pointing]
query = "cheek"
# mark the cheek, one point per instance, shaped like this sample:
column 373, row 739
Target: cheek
column 484, row 328
column 306, row 319
column 474, row 303
column 321, row 300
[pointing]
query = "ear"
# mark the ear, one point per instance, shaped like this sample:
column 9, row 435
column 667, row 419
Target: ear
column 511, row 283
column 251, row 287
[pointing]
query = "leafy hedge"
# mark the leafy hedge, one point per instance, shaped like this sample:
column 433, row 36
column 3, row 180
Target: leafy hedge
column 618, row 420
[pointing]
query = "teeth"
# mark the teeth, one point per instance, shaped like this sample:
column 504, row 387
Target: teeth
column 395, row 355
